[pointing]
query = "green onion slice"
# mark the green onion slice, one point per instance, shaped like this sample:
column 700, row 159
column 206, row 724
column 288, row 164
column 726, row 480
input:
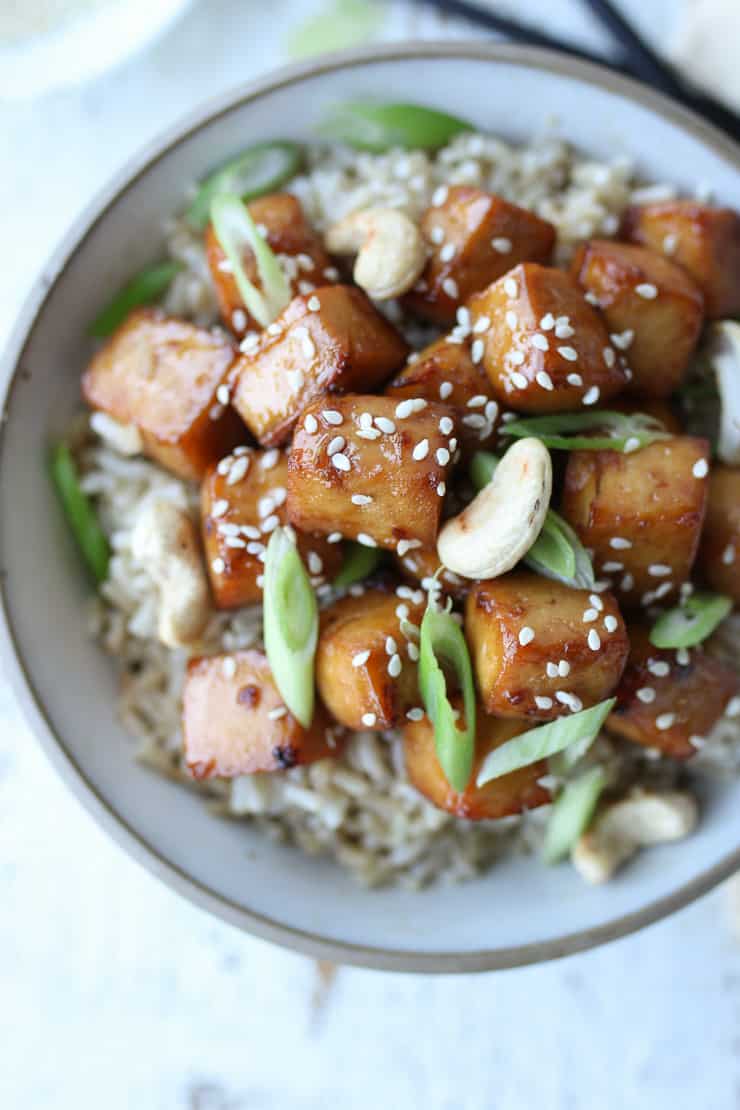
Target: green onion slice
column 442, row 642
column 259, row 169
column 80, row 513
column 378, row 127
column 625, row 432
column 236, row 230
column 539, row 743
column 343, row 24
column 690, row 623
column 359, row 563
column 291, row 625
column 148, row 286
column 557, row 553
column 572, row 813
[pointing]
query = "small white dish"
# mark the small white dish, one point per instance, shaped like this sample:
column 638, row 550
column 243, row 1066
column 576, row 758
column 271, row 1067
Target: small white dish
column 519, row 913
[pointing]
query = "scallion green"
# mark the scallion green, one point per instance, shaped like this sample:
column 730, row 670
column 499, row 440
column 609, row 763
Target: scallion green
column 291, row 625
column 690, row 623
column 148, row 286
column 377, row 127
column 81, row 515
column 259, row 169
column 442, row 643
column 342, row 24
column 359, row 563
column 571, row 813
column 236, row 230
column 625, row 432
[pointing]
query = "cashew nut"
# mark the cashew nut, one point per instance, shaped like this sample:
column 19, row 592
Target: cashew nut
column 496, row 529
column 124, row 438
column 165, row 541
column 391, row 251
column 723, row 352
column 640, row 820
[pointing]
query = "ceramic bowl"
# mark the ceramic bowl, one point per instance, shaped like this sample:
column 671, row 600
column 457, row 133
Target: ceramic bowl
column 519, row 913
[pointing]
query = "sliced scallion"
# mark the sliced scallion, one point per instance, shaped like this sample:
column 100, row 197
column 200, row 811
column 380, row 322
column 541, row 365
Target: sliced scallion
column 625, row 432
column 539, row 743
column 690, row 623
column 359, row 563
column 148, row 286
column 442, row 643
column 291, row 625
column 571, row 813
column 343, row 24
column 236, row 230
column 80, row 513
column 259, row 169
column 377, row 127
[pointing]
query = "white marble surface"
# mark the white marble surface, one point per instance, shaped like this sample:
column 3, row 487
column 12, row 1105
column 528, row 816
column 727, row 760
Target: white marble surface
column 116, row 994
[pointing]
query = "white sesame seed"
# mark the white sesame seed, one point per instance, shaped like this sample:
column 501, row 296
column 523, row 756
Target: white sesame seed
column 250, row 532
column 387, row 426
column 453, row 444
column 361, row 499
column 218, row 566
column 249, row 343
column 223, row 393
column 334, row 537
column 540, row 341
column 700, row 468
column 421, row 450
column 274, row 329
column 449, row 286
column 619, row 543
column 441, row 489
column 647, row 290
column 238, row 470
column 570, row 700
column 665, row 721
column 442, row 456
column 446, row 425
column 365, row 540
column 511, row 288
column 512, row 319
column 278, row 712
column 502, row 244
column 340, row 462
column 404, row 546
column 439, row 196
column 568, row 353
column 659, row 570
column 365, row 420
column 368, row 433
column 591, row 396
column 475, row 420
column 331, row 416
column 543, row 702
column 445, row 390
column 402, row 612
column 391, row 647
column 477, row 350
column 658, row 667
column 564, row 331
column 612, row 568
column 519, row 380
column 728, row 555
column 594, row 640
column 360, row 659
column 314, row 304
column 609, row 356
column 627, row 583
column 623, row 339
column 394, row 666
column 447, row 252
column 335, row 444
column 646, row 694
column 270, row 459
column 552, row 670
column 563, row 668
column 544, row 380
column 574, row 379
column 269, row 524
column 331, row 273
column 611, row 624
column 482, row 324
column 404, row 409
column 516, row 357
column 369, row 719
column 215, row 412
column 265, row 506
column 491, row 411
column 415, row 714
column 732, row 709
column 526, row 635
column 547, row 323
column 437, row 235
column 590, row 615
column 219, row 507
column 631, row 444
column 311, row 424
column 683, row 657
column 413, row 652
column 315, row 563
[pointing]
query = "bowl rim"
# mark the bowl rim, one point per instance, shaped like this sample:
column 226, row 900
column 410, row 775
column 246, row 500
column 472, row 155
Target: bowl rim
column 14, row 665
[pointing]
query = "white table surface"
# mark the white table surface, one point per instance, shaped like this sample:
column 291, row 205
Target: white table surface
column 116, row 994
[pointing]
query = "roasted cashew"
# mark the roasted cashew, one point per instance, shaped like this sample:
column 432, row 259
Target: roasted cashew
column 641, row 819
column 492, row 534
column 391, row 252
column 124, row 438
column 165, row 541
column 723, row 353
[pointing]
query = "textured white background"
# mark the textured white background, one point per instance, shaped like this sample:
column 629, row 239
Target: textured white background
column 114, row 993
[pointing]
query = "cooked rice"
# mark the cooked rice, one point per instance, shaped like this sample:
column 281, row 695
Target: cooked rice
column 358, row 808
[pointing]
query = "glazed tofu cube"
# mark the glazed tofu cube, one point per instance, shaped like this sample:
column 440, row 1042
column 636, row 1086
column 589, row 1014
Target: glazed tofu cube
column 418, row 565
column 719, row 554
column 299, row 249
column 372, row 468
column 242, row 502
column 541, row 650
column 366, row 668
column 332, row 341
column 473, row 238
column 501, row 797
column 235, row 722
column 545, row 348
column 702, row 239
column 670, row 700
column 445, row 371
column 651, row 304
column 167, row 377
column 641, row 514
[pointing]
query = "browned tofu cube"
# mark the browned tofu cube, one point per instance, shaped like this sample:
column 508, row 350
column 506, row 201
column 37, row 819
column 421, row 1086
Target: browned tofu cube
column 719, row 554
column 540, row 649
column 242, row 501
column 445, row 371
column 366, row 668
column 545, row 348
column 332, row 341
column 501, row 797
column 640, row 514
column 372, row 468
column 702, row 239
column 473, row 238
column 165, row 376
column 235, row 722
column 419, row 565
column 648, row 301
column 670, row 700
column 291, row 237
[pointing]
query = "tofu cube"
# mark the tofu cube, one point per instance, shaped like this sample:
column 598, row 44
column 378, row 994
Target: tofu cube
column 372, row 468
column 473, row 238
column 331, row 341
column 704, row 240
column 235, row 722
column 445, row 371
column 545, row 348
column 502, row 797
column 166, row 377
column 719, row 554
column 366, row 668
column 640, row 514
column 242, row 501
column 541, row 650
column 644, row 295
column 670, row 700
column 299, row 249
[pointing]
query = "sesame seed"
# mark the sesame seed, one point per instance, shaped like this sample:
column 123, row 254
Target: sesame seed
column 449, row 286
column 728, row 555
column 441, row 489
column 274, row 329
column 361, row 499
column 619, row 543
column 404, row 546
column 568, row 353
column 627, row 583
column 238, row 470
column 218, row 566
column 404, row 409
column 516, row 357
column 609, row 356
column 564, row 331
column 360, row 659
column 250, row 532
column 658, row 667
column 475, row 420
column 543, row 379
column 365, row 540
column 447, row 253
column 387, row 426
column 413, row 652
column 732, row 709
column 547, row 323
column 590, row 615
column 315, row 562
column 402, row 612
column 570, row 700
column 659, row 570
column 491, row 411
column 543, row 702
column 526, row 635
column 249, row 343
column 334, row 537
column 697, row 741
column 453, row 444
column 445, row 390
column 340, row 462
column 278, row 712
column 647, row 290
column 512, row 319
column 611, row 624
column 265, row 506
column 215, row 412
column 594, row 640
column 646, row 694
column 574, row 379
column 331, row 416
column 335, row 444
column 631, row 444
column 314, row 304
column 223, row 393
column 446, row 425
column 519, row 380
column 612, row 568
column 415, row 714
column 502, row 244
column 311, row 424
column 269, row 524
column 665, row 721
column 552, row 670
column 477, row 350
column 623, row 339
column 437, row 235
column 563, row 668
column 395, row 666
column 442, row 456
column 511, row 288
column 482, row 324
column 391, row 647
column 369, row 719
column 270, row 459
column 220, row 507
column 439, row 196
column 368, row 433
column 331, row 273
column 421, row 450
column 700, row 468
column 591, row 396
column 540, row 341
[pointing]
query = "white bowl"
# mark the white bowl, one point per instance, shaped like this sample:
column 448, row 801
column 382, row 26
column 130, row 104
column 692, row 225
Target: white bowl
column 520, row 912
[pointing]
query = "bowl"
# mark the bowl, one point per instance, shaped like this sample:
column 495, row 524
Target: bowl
column 520, row 912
